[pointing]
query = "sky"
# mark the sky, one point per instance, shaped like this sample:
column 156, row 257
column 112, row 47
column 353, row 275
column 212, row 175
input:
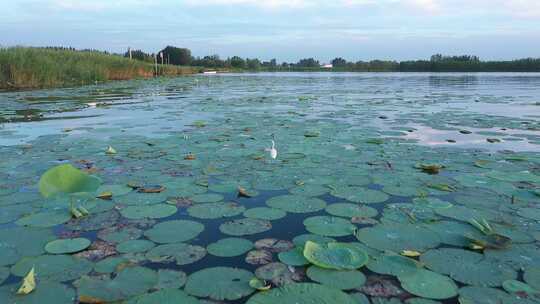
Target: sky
column 283, row 29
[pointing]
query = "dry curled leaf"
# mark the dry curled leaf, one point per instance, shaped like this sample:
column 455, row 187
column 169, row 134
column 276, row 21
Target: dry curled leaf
column 28, row 284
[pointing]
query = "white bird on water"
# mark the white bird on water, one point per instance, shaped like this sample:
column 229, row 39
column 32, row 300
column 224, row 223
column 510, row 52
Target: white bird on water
column 273, row 151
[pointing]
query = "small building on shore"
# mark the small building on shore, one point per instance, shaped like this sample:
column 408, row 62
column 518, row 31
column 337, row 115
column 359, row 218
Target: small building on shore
column 327, row 66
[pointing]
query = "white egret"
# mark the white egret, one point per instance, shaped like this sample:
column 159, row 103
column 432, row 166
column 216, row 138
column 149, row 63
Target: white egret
column 273, row 151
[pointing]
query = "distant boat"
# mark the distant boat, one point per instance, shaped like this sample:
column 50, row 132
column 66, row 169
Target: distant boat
column 210, row 72
column 327, row 66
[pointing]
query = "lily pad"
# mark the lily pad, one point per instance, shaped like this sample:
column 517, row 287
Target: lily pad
column 293, row 257
column 265, row 213
column 148, row 211
column 393, row 264
column 337, row 256
column 174, row 231
column 329, row 226
column 301, row 240
column 134, row 246
column 532, row 277
column 45, row 293
column 129, row 282
column 58, row 268
column 359, row 194
column 215, row 210
column 230, row 247
column 67, row 245
column 220, row 283
column 168, row 278
column 398, row 237
column 165, row 296
column 278, row 273
column 351, row 210
column 207, row 198
column 44, row 219
column 246, row 226
column 296, row 203
column 429, row 284
column 65, row 179
column 340, row 279
column 302, row 293
column 182, row 253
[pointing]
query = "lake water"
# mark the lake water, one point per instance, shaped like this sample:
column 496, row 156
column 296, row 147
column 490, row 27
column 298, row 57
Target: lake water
column 390, row 164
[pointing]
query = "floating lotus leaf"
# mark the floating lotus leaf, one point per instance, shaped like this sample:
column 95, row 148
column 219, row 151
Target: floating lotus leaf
column 259, row 257
column 274, row 245
column 66, row 179
column 116, row 190
column 109, row 265
column 264, row 213
column 230, row 247
column 340, row 279
column 464, row 214
column 337, row 256
column 174, row 231
column 22, row 241
column 329, row 226
column 398, row 237
column 530, row 213
column 141, row 199
column 421, row 301
column 301, row 240
column 280, row 274
column 429, row 284
column 134, row 246
column 351, row 210
column 294, row 257
column 432, row 202
column 246, row 226
column 309, row 190
column 45, row 293
column 45, row 219
column 67, row 245
column 484, row 295
column 119, row 235
column 94, row 221
column 59, row 268
column 360, row 194
column 360, row 298
column 129, row 282
column 220, row 283
column 518, row 256
column 168, row 278
column 296, row 203
column 302, row 293
column 183, row 254
column 11, row 213
column 452, row 233
column 532, row 277
column 148, row 211
column 514, row 286
column 165, row 296
column 215, row 210
column 447, row 260
column 207, row 198
column 393, row 264
column 4, row 274
column 513, row 177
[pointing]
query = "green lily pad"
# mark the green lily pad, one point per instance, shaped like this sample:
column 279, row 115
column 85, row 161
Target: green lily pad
column 134, row 246
column 220, row 283
column 67, row 245
column 351, row 210
column 11, row 213
column 245, row 226
column 45, row 293
column 22, row 241
column 230, row 247
column 393, row 264
column 116, row 190
column 514, row 286
column 429, row 284
column 165, row 296
column 66, row 179
column 530, row 213
column 301, row 240
column 109, row 264
column 215, row 210
column 168, row 278
column 340, row 279
column 296, row 203
column 302, row 293
column 174, row 231
column 337, row 256
column 398, row 237
column 293, row 257
column 532, row 277
column 182, row 253
column 207, row 198
column 118, row 235
column 518, row 256
column 329, row 226
column 44, row 219
column 148, row 211
column 129, row 282
column 264, row 213
column 4, row 274
column 278, row 273
column 359, row 194
column 309, row 190
column 58, row 268
column 484, row 295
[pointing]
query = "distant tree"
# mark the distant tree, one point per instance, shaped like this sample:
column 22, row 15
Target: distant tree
column 253, row 64
column 308, row 63
column 176, row 56
column 139, row 55
column 339, row 62
column 237, row 62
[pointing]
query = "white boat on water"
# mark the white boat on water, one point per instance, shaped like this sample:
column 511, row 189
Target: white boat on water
column 209, row 72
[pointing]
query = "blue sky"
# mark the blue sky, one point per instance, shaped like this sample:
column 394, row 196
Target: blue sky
column 282, row 29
